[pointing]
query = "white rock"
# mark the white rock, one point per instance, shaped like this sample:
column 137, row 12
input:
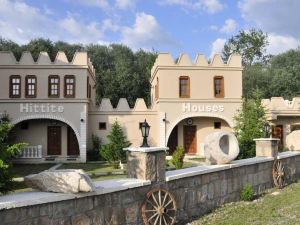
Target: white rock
column 61, row 181
column 220, row 147
column 293, row 141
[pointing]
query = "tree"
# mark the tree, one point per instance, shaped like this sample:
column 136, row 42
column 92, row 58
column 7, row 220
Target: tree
column 284, row 75
column 249, row 123
column 113, row 151
column 251, row 45
column 7, row 152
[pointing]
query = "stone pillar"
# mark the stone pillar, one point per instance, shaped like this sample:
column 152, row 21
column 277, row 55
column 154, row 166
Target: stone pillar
column 267, row 147
column 147, row 163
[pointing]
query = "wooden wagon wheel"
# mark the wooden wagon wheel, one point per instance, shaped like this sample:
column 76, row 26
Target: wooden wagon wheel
column 159, row 208
column 278, row 174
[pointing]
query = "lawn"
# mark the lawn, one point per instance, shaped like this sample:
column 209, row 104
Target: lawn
column 21, row 170
column 276, row 207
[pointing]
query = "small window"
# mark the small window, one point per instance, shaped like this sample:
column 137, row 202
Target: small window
column 102, row 126
column 69, row 86
column 24, row 125
column 219, row 87
column 53, row 86
column 184, row 87
column 217, row 125
column 30, row 86
column 15, row 86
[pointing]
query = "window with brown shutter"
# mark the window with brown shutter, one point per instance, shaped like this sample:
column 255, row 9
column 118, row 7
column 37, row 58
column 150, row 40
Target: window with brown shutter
column 184, row 87
column 219, row 87
column 53, row 86
column 15, row 86
column 69, row 86
column 30, row 86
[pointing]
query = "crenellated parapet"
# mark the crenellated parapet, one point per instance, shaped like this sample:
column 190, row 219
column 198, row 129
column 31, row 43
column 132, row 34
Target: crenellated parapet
column 122, row 106
column 7, row 58
column 166, row 60
column 279, row 104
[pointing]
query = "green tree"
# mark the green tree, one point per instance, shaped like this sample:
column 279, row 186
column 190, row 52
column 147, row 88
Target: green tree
column 113, row 151
column 68, row 49
column 284, row 74
column 36, row 46
column 7, row 152
column 8, row 45
column 249, row 123
column 251, row 45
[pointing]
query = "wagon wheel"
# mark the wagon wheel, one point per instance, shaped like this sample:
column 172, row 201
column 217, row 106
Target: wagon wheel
column 159, row 208
column 278, row 173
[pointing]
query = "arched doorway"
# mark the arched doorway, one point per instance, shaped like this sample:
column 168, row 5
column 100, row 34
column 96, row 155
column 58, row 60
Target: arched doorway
column 190, row 133
column 46, row 138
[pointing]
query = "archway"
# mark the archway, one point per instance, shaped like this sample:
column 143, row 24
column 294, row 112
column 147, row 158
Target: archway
column 54, row 135
column 190, row 130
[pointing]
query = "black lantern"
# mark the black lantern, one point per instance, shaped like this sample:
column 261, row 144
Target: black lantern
column 145, row 128
column 267, row 129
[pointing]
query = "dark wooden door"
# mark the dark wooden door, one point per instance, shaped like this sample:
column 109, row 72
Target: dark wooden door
column 190, row 139
column 173, row 140
column 277, row 132
column 54, row 140
column 73, row 148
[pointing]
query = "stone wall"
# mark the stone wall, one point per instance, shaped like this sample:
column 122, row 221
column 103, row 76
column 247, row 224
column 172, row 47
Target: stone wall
column 197, row 191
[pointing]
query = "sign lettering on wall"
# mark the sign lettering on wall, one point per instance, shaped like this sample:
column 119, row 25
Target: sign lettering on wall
column 41, row 108
column 188, row 107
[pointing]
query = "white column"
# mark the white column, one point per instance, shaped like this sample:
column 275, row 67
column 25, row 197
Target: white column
column 83, row 134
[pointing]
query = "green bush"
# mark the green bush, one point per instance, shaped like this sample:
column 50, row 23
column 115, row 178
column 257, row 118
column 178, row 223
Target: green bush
column 247, row 193
column 93, row 154
column 178, row 156
column 7, row 153
column 113, row 151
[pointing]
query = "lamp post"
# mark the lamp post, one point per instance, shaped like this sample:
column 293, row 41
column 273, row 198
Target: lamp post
column 145, row 128
column 267, row 129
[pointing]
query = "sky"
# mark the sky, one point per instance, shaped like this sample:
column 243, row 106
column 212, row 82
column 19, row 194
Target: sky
column 175, row 26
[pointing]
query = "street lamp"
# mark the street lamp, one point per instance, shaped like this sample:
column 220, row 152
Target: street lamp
column 145, row 128
column 267, row 129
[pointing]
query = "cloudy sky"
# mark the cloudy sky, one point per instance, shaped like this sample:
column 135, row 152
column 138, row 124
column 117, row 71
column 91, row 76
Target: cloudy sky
column 174, row 26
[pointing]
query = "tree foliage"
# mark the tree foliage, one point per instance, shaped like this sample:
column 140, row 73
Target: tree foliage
column 249, row 123
column 251, row 45
column 113, row 151
column 7, row 152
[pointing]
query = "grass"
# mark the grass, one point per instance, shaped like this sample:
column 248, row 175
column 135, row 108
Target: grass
column 21, row 170
column 271, row 209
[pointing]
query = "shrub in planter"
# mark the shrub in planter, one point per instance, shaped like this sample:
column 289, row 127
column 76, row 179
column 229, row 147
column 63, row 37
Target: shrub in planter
column 247, row 193
column 93, row 154
column 178, row 156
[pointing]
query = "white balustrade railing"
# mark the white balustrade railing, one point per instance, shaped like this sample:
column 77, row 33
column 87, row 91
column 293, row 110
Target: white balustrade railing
column 31, row 152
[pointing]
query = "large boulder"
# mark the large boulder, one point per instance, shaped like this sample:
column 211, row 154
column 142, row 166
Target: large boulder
column 61, row 181
column 220, row 147
column 293, row 141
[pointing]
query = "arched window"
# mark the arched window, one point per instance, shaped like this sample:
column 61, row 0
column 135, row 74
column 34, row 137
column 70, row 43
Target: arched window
column 184, row 87
column 219, row 87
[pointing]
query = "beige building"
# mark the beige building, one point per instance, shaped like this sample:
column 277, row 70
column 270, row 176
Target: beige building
column 284, row 116
column 52, row 104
